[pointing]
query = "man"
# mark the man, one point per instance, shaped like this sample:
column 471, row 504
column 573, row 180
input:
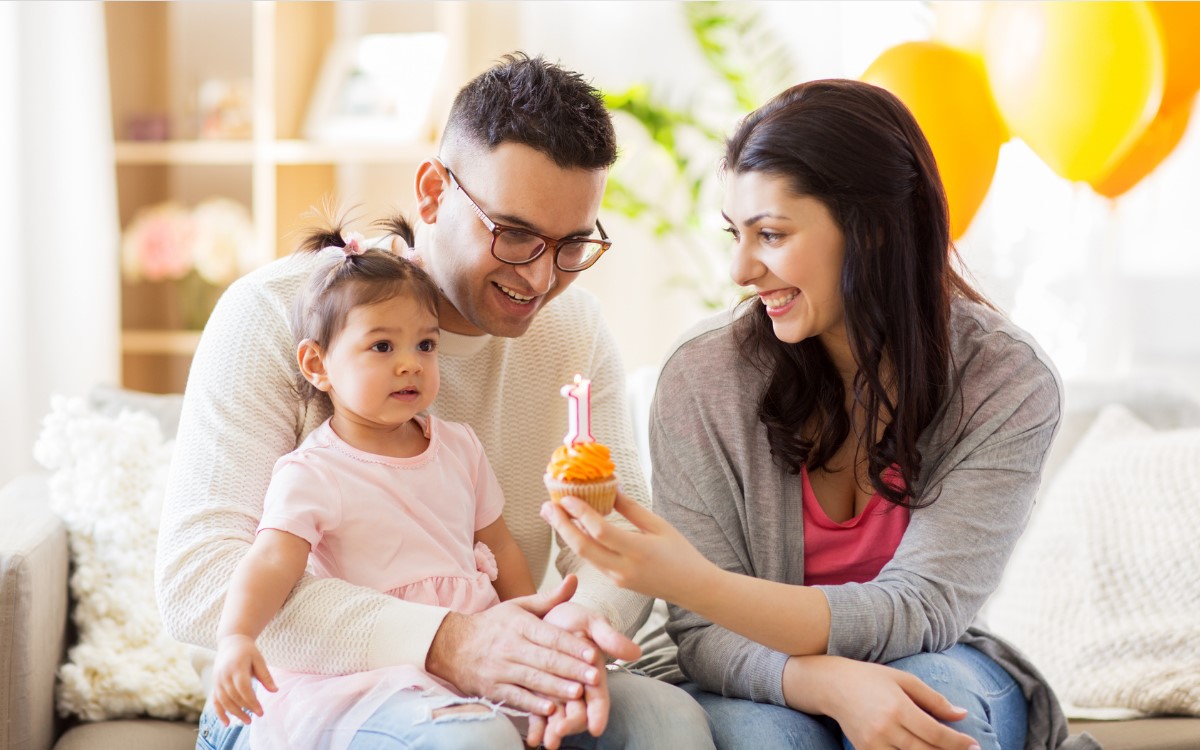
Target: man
column 509, row 210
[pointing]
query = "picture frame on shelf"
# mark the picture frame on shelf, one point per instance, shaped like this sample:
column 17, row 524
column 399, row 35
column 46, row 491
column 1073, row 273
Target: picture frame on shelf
column 377, row 88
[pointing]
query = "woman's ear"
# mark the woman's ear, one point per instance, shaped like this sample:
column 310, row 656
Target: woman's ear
column 432, row 181
column 312, row 364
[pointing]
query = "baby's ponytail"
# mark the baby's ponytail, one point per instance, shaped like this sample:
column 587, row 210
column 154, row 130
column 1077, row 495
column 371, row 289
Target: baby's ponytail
column 318, row 238
column 330, row 232
column 399, row 226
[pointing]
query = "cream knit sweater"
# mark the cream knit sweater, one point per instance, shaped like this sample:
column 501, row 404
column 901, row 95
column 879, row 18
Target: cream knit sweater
column 239, row 416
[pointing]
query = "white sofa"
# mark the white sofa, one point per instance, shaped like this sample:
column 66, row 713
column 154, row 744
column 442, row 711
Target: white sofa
column 34, row 601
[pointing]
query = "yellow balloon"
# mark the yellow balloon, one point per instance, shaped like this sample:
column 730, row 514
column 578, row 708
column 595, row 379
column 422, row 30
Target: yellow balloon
column 1179, row 23
column 1159, row 140
column 947, row 92
column 1078, row 81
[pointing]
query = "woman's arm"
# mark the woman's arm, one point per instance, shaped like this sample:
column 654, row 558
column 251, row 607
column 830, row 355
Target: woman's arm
column 659, row 561
column 512, row 572
column 726, row 502
column 989, row 448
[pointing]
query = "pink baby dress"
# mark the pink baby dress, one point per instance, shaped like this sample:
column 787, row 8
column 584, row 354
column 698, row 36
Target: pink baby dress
column 403, row 526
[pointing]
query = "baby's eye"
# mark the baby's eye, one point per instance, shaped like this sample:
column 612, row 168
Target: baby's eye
column 383, row 347
column 427, row 345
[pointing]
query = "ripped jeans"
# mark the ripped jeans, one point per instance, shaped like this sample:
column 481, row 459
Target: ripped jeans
column 644, row 713
column 405, row 721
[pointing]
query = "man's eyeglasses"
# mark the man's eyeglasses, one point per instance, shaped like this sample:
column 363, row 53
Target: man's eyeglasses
column 518, row 247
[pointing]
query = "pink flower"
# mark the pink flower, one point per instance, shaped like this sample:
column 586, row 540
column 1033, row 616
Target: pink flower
column 158, row 244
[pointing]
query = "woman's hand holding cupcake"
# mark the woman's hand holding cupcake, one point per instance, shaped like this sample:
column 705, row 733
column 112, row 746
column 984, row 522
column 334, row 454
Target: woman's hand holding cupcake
column 655, row 560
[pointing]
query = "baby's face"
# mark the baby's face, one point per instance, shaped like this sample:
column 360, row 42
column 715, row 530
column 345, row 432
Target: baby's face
column 383, row 366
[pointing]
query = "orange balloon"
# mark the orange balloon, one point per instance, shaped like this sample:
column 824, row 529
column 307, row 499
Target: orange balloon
column 1077, row 81
column 1179, row 25
column 947, row 92
column 1159, row 140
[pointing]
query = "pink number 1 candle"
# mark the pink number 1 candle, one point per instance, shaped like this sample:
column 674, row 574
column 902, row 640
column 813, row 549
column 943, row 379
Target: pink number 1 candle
column 579, row 411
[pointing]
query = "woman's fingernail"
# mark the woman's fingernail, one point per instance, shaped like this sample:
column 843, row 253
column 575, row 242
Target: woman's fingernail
column 973, row 747
column 590, row 676
column 589, row 654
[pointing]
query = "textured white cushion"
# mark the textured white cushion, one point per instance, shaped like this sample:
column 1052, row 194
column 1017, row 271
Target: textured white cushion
column 108, row 483
column 1103, row 591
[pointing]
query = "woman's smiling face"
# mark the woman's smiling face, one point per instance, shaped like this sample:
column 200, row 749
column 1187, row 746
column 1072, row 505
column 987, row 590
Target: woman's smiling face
column 789, row 250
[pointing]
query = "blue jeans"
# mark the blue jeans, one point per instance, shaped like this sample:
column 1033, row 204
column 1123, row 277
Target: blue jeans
column 996, row 708
column 645, row 713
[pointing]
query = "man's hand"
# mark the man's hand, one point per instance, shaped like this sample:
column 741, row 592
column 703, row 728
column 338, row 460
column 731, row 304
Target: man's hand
column 508, row 654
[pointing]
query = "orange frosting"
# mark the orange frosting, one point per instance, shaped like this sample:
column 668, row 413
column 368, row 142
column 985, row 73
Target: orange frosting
column 581, row 462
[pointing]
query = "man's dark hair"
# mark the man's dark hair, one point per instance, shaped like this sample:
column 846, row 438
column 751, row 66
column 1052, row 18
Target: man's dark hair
column 539, row 104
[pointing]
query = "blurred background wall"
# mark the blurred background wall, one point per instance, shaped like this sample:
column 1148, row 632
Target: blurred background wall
column 170, row 147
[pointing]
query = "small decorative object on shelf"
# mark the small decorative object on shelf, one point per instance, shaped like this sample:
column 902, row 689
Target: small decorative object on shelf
column 377, row 88
column 197, row 252
column 147, row 127
column 224, row 109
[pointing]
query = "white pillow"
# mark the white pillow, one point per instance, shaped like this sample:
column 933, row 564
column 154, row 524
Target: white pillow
column 1103, row 591
column 108, row 483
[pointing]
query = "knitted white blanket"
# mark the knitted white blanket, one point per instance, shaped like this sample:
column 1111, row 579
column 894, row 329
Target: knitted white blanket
column 1103, row 591
column 108, row 484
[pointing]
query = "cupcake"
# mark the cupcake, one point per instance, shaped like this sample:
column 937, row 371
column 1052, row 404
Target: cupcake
column 581, row 467
column 585, row 471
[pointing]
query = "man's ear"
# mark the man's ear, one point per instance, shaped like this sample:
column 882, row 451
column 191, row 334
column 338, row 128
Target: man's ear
column 312, row 364
column 432, row 182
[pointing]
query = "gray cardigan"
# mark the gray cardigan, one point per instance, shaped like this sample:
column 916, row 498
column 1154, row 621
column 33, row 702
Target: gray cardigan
column 715, row 480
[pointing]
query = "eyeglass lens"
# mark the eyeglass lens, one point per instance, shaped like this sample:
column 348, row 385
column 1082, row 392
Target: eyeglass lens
column 516, row 246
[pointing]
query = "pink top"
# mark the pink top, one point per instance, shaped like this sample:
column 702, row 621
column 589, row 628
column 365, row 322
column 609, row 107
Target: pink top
column 404, row 526
column 856, row 550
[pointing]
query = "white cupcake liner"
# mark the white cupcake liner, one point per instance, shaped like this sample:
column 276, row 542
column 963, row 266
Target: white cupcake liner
column 600, row 494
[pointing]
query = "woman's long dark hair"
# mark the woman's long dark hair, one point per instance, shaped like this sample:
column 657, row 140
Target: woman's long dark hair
column 857, row 149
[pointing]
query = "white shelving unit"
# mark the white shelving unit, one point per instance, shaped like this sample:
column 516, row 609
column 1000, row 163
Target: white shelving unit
column 159, row 53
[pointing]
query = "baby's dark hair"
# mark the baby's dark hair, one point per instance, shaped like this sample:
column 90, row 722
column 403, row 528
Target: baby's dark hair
column 347, row 281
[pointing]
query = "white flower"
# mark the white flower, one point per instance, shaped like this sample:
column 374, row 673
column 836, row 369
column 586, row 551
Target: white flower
column 223, row 246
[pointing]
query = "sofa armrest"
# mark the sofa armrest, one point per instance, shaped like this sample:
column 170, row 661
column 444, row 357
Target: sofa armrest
column 33, row 612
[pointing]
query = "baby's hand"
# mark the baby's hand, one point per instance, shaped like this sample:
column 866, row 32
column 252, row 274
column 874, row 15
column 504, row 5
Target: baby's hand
column 238, row 661
column 565, row 721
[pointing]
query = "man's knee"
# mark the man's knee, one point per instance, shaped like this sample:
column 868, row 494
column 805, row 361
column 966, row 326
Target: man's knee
column 639, row 711
column 465, row 726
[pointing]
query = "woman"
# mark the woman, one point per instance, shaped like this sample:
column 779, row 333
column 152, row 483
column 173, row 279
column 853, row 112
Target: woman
column 842, row 465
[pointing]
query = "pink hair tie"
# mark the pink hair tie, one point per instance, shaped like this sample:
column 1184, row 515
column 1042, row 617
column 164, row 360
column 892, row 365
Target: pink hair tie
column 354, row 243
